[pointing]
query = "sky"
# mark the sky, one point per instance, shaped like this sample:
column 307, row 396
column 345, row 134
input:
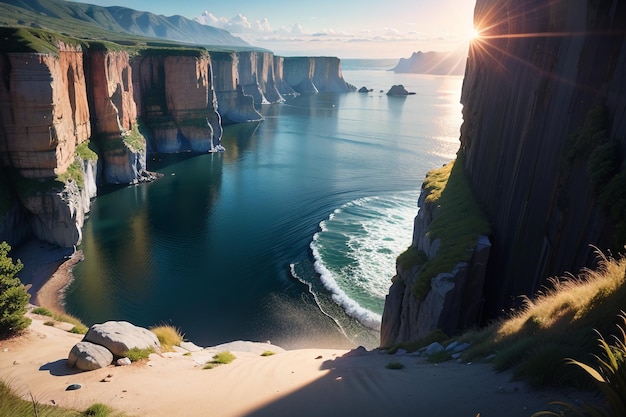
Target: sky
column 344, row 28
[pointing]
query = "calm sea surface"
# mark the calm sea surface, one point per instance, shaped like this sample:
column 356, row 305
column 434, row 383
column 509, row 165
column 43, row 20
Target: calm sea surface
column 290, row 235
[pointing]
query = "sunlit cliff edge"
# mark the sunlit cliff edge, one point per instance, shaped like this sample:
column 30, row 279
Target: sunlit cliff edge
column 78, row 114
column 543, row 144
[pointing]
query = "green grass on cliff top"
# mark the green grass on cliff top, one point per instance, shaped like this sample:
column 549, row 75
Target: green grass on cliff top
column 458, row 224
column 32, row 40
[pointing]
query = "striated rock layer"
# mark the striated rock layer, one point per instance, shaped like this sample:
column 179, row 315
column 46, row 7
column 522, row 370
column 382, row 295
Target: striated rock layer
column 315, row 74
column 545, row 190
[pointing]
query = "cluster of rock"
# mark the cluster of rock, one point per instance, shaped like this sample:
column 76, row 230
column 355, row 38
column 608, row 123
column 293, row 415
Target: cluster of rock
column 454, row 349
column 110, row 341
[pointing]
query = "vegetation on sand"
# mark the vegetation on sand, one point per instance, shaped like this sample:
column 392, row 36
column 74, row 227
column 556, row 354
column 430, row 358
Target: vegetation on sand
column 79, row 327
column 13, row 295
column 220, row 358
column 136, row 354
column 169, row 336
column 394, row 365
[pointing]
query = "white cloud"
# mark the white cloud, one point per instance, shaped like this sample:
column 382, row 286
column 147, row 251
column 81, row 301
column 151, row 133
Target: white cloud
column 291, row 39
column 238, row 24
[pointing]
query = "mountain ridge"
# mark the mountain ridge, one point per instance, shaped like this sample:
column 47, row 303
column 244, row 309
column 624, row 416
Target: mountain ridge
column 87, row 20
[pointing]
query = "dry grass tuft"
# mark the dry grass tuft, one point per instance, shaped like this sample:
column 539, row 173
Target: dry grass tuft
column 559, row 323
column 169, row 336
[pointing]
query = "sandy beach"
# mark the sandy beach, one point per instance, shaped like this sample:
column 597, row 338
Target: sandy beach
column 305, row 382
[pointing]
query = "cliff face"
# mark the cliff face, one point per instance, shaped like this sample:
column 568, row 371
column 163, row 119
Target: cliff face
column 44, row 116
column 178, row 102
column 315, row 74
column 233, row 104
column 74, row 116
column 115, row 113
column 44, row 111
column 543, row 145
column 440, row 278
column 550, row 189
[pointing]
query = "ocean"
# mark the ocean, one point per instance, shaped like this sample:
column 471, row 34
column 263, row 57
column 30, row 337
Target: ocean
column 290, row 235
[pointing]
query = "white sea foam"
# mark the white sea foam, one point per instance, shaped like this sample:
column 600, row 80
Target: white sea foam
column 355, row 250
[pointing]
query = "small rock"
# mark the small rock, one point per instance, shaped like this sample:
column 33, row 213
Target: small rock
column 123, row 362
column 451, row 346
column 490, row 357
column 456, row 355
column 16, row 362
column 401, row 352
column 73, row 387
column 107, row 379
column 318, row 357
column 190, row 347
column 433, row 348
column 5, row 350
column 461, row 347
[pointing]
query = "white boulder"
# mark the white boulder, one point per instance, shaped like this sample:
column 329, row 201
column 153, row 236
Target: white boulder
column 89, row 356
column 121, row 336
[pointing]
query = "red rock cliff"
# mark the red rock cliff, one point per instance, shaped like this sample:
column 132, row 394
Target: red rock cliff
column 44, row 110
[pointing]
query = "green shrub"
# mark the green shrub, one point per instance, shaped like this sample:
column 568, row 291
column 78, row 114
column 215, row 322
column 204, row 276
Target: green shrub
column 13, row 295
column 220, row 358
column 136, row 354
column 268, row 353
column 42, row 311
column 411, row 257
column 394, row 365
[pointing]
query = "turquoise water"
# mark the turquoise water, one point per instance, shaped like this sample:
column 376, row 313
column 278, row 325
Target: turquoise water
column 290, row 235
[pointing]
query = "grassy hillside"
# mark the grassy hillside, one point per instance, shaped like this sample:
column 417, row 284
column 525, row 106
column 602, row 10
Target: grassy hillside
column 561, row 322
column 118, row 24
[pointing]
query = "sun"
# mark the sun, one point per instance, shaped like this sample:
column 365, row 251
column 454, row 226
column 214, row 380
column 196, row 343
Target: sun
column 473, row 34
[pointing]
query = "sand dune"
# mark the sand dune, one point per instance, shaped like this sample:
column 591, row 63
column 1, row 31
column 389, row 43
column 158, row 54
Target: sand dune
column 306, row 382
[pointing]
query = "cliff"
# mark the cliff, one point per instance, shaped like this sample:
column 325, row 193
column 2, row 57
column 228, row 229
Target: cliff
column 440, row 277
column 433, row 62
column 77, row 114
column 543, row 144
column 233, row 104
column 177, row 101
column 315, row 74
column 44, row 118
column 544, row 138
